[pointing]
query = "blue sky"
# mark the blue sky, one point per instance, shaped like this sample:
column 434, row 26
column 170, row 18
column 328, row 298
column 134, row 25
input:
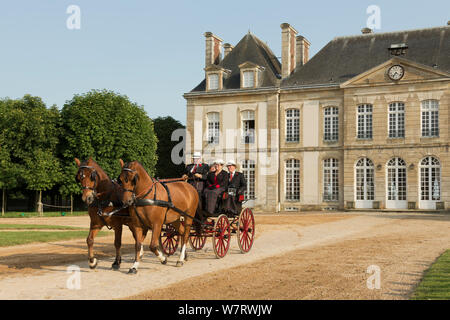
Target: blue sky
column 153, row 51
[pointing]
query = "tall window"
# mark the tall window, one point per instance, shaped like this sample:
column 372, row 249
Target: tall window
column 292, row 180
column 430, row 118
column 331, row 124
column 430, row 179
column 249, row 79
column 248, row 170
column 331, row 180
column 364, row 171
column 396, row 179
column 213, row 127
column 292, row 125
column 213, row 81
column 397, row 120
column 248, row 126
column 365, row 121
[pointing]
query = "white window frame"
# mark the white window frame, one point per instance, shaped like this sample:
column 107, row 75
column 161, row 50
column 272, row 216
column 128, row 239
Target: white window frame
column 248, row 134
column 396, row 120
column 292, row 180
column 213, row 127
column 365, row 169
column 248, row 79
column 249, row 172
column 429, row 118
column 364, row 121
column 331, row 124
column 429, row 168
column 292, row 125
column 213, row 81
column 330, row 180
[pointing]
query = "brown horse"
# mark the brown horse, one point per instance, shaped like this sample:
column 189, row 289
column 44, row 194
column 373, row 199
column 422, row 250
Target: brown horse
column 101, row 194
column 138, row 185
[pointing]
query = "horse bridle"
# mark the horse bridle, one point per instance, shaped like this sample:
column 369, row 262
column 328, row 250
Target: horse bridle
column 93, row 177
column 125, row 168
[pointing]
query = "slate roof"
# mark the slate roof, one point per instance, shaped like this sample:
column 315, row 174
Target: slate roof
column 250, row 49
column 345, row 57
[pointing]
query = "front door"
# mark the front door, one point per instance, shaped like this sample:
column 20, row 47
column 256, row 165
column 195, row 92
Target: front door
column 396, row 184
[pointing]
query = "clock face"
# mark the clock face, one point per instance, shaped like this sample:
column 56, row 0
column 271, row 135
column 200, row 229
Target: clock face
column 396, row 72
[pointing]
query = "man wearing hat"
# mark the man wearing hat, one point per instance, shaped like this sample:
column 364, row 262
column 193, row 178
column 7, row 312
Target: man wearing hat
column 195, row 174
column 237, row 185
column 217, row 183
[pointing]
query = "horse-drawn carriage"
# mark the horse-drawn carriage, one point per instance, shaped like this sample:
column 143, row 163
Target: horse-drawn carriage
column 219, row 226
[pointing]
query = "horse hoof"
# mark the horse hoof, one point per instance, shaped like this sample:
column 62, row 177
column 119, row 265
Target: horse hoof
column 132, row 271
column 93, row 264
column 165, row 261
column 116, row 266
column 180, row 263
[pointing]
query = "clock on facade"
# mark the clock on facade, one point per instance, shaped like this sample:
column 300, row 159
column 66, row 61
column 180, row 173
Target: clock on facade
column 396, row 72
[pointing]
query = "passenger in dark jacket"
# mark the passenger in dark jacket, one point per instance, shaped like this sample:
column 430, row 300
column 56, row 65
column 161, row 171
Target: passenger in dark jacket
column 217, row 183
column 195, row 174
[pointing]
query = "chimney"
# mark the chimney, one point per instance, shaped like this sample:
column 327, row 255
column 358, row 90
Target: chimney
column 288, row 59
column 302, row 50
column 227, row 49
column 213, row 49
column 366, row 30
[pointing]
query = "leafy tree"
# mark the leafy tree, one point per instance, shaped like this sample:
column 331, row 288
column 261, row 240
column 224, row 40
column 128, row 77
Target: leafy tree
column 29, row 136
column 165, row 167
column 107, row 127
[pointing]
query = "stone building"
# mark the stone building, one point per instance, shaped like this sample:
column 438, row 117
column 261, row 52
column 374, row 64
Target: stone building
column 364, row 123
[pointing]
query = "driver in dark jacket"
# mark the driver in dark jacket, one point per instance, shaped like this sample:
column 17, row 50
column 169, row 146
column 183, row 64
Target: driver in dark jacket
column 236, row 188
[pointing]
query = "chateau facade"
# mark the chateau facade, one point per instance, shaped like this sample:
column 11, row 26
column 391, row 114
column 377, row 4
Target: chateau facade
column 362, row 124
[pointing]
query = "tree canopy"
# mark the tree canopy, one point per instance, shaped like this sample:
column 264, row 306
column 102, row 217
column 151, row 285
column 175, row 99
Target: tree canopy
column 165, row 167
column 106, row 126
column 28, row 137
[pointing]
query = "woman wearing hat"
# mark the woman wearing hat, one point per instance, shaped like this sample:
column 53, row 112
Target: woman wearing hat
column 196, row 173
column 217, row 183
column 236, row 180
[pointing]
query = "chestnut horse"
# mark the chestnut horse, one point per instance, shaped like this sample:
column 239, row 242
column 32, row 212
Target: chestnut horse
column 101, row 194
column 138, row 185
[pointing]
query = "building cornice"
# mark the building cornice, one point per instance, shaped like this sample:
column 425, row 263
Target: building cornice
column 234, row 92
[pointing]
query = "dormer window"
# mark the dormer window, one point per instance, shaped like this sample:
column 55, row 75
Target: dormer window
column 215, row 76
column 213, row 81
column 249, row 79
column 250, row 75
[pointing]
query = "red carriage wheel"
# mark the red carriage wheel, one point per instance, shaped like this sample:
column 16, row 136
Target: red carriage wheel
column 221, row 236
column 197, row 241
column 246, row 230
column 169, row 240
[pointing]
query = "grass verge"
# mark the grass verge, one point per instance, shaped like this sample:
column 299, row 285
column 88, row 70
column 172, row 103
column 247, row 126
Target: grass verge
column 36, row 227
column 435, row 284
column 21, row 214
column 25, row 237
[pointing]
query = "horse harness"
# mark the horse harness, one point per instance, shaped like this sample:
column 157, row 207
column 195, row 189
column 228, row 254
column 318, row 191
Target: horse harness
column 141, row 201
column 100, row 204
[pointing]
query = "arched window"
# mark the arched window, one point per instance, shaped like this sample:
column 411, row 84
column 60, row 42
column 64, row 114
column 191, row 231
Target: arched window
column 213, row 127
column 364, row 173
column 430, row 179
column 292, row 180
column 292, row 125
column 396, row 180
column 430, row 118
column 331, row 124
column 364, row 130
column 248, row 170
column 331, row 180
column 396, row 120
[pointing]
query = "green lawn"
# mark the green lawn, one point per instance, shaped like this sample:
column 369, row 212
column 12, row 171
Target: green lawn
column 20, row 214
column 24, row 237
column 36, row 226
column 435, row 284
